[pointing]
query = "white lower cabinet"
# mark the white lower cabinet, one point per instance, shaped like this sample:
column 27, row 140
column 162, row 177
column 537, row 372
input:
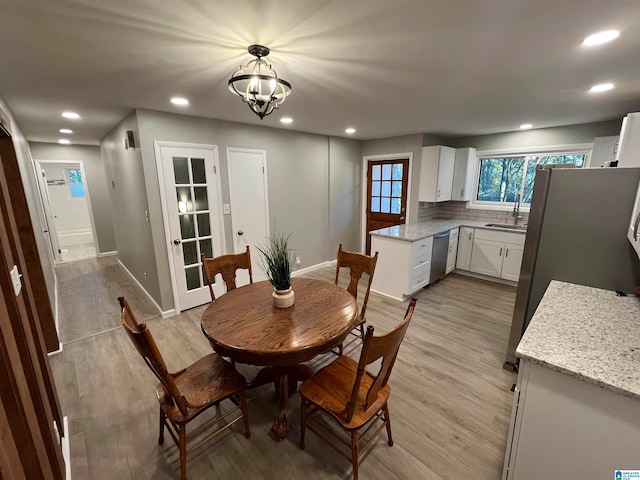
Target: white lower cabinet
column 465, row 245
column 512, row 262
column 497, row 254
column 453, row 250
column 403, row 267
column 565, row 428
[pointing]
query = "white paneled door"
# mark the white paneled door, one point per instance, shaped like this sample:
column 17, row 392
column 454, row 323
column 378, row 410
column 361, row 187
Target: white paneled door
column 192, row 212
column 249, row 205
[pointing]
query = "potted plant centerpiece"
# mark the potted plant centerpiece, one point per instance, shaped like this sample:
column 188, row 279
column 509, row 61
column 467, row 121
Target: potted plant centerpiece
column 277, row 264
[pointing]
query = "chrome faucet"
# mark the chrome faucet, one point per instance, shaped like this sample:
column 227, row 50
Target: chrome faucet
column 516, row 210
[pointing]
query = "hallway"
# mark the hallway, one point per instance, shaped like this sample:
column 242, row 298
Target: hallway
column 450, row 400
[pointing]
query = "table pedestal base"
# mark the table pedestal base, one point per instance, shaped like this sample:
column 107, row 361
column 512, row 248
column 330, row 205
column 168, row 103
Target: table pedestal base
column 285, row 380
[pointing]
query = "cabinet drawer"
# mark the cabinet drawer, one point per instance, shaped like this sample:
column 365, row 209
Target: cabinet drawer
column 421, row 260
column 421, row 247
column 453, row 233
column 419, row 277
column 500, row 236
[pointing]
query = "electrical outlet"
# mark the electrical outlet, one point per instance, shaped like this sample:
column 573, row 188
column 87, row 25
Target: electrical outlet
column 297, row 261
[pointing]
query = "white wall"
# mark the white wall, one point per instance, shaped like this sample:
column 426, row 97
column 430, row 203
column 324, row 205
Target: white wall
column 71, row 215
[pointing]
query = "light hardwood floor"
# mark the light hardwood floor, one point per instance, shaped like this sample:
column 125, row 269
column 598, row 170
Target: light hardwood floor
column 449, row 406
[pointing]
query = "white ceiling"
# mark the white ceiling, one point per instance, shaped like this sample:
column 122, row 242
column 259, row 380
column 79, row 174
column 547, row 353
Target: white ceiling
column 451, row 67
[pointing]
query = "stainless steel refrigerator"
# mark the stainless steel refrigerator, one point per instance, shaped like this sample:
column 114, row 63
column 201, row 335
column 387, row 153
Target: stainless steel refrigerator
column 577, row 234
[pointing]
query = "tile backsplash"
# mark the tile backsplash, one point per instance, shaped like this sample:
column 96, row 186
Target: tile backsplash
column 429, row 211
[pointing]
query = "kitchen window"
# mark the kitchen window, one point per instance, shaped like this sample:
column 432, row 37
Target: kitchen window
column 502, row 177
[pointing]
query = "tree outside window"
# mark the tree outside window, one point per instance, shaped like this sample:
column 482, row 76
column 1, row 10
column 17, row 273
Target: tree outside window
column 501, row 179
column 76, row 186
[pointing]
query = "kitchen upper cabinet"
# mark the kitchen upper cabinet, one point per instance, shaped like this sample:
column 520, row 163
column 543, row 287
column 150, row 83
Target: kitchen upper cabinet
column 603, row 151
column 464, row 163
column 436, row 174
column 497, row 254
column 627, row 154
column 453, row 249
column 634, row 225
column 465, row 245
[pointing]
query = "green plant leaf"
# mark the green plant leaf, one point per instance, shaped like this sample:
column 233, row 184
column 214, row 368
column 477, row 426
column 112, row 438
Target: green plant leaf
column 277, row 260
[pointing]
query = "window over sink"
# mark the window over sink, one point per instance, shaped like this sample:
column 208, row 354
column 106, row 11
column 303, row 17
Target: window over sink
column 501, row 178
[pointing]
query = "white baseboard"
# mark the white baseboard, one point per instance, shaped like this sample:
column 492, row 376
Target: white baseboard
column 488, row 278
column 386, row 295
column 108, row 254
column 66, row 450
column 56, row 352
column 56, row 311
column 168, row 313
column 318, row 266
column 147, row 293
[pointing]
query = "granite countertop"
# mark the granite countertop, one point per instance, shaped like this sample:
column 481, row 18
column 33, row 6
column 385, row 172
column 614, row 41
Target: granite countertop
column 417, row 231
column 588, row 333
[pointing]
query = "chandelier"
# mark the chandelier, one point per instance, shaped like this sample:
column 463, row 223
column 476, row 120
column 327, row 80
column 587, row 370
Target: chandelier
column 258, row 84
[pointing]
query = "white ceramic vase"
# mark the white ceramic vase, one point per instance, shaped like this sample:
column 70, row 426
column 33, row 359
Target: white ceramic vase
column 283, row 298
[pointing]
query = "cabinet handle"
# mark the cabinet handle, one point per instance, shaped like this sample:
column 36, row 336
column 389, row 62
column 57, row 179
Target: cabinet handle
column 500, row 254
column 462, row 192
column 469, row 235
column 635, row 227
column 506, row 253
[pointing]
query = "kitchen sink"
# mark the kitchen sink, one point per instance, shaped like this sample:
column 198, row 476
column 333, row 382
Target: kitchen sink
column 509, row 226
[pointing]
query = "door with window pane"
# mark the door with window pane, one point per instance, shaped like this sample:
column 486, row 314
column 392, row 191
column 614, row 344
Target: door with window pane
column 193, row 215
column 387, row 182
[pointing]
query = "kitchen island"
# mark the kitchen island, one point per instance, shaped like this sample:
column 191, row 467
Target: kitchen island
column 576, row 410
column 478, row 248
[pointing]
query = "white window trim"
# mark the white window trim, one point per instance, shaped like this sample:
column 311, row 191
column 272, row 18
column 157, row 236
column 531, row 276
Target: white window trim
column 475, row 204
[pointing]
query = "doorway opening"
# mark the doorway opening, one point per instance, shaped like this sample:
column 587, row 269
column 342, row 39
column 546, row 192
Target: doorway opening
column 67, row 208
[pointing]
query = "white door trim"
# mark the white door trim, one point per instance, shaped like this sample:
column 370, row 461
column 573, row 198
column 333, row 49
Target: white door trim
column 158, row 145
column 265, row 183
column 363, row 197
column 87, row 195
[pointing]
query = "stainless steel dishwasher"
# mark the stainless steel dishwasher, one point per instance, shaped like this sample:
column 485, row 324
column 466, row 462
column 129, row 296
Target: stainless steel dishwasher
column 439, row 256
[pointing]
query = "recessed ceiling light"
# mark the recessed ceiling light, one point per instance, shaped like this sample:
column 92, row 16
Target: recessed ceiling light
column 64, row 141
column 286, row 119
column 66, row 130
column 179, row 101
column 71, row 115
column 525, row 126
column 601, row 37
column 350, row 130
column 603, row 87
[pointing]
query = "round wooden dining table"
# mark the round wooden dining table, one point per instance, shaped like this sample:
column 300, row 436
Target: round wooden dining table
column 244, row 325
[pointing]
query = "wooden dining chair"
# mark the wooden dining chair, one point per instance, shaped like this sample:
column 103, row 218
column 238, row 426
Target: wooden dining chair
column 184, row 395
column 357, row 264
column 226, row 265
column 353, row 397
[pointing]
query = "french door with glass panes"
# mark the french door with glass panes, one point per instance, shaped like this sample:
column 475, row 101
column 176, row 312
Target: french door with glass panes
column 193, row 217
column 387, row 183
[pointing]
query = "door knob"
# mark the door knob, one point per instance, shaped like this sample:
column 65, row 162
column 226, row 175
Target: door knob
column 240, row 232
column 177, row 242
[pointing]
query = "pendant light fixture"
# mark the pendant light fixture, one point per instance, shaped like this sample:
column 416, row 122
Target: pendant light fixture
column 258, row 85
